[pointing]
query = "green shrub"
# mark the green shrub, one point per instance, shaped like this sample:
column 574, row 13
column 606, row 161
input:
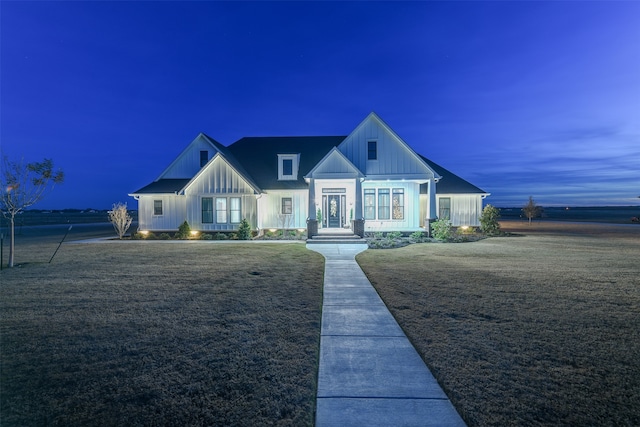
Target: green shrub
column 220, row 236
column 244, row 230
column 489, row 220
column 269, row 234
column 378, row 235
column 394, row 235
column 442, row 229
column 184, row 231
column 150, row 236
column 164, row 236
column 206, row 236
column 233, row 236
column 416, row 235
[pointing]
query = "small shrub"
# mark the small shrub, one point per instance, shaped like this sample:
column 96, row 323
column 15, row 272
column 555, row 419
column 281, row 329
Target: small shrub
column 416, row 236
column 184, row 231
column 233, row 236
column 150, row 236
column 489, row 220
column 206, row 236
column 269, row 234
column 442, row 229
column 394, row 235
column 244, row 230
column 378, row 235
column 220, row 236
column 137, row 236
column 164, row 236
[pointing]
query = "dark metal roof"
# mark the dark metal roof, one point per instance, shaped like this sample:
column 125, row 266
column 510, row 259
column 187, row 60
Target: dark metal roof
column 259, row 156
column 163, row 186
column 450, row 183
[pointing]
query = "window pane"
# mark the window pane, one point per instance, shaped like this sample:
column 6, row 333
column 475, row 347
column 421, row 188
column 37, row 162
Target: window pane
column 369, row 204
column 383, row 204
column 234, row 203
column 221, row 210
column 204, row 158
column 287, row 167
column 398, row 203
column 372, row 150
column 445, row 208
column 207, row 210
column 287, row 205
column 157, row 207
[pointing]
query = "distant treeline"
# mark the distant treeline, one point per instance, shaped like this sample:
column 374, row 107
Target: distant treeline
column 65, row 216
column 610, row 214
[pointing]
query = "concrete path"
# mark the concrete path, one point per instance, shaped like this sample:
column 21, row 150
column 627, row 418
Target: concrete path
column 370, row 374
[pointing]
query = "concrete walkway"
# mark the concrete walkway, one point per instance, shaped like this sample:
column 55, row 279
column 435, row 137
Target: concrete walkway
column 370, row 374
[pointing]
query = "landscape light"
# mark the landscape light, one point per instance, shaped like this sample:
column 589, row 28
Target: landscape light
column 465, row 227
column 273, row 230
column 194, row 233
column 144, row 232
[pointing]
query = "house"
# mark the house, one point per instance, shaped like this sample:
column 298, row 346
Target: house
column 370, row 180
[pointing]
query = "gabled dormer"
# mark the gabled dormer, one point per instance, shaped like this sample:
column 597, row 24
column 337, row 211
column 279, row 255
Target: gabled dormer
column 288, row 166
column 376, row 150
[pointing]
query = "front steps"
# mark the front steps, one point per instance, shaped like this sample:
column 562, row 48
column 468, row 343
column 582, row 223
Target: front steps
column 336, row 237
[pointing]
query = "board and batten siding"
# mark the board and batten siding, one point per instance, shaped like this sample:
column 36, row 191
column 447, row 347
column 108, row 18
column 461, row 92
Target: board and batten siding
column 465, row 209
column 270, row 208
column 394, row 157
column 187, row 164
column 219, row 180
column 174, row 212
column 411, row 220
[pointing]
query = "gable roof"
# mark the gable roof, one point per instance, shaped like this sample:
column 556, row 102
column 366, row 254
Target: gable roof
column 449, row 182
column 260, row 157
column 335, row 165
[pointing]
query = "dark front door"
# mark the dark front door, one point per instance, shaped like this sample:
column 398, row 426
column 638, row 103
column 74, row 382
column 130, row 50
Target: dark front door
column 334, row 213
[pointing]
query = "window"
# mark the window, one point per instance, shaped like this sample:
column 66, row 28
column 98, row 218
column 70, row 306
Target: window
column 234, row 206
column 397, row 203
column 383, row 204
column 287, row 205
column 369, row 203
column 221, row 210
column 287, row 167
column 204, row 158
column 445, row 208
column 207, row 210
column 157, row 207
column 372, row 150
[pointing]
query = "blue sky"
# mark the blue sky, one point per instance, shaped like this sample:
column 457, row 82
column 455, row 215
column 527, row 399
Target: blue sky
column 520, row 98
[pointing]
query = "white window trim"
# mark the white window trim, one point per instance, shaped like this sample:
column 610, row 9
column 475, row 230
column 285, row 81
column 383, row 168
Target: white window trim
column 295, row 161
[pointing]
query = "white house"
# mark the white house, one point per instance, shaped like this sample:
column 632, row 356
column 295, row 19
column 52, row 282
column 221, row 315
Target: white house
column 370, row 180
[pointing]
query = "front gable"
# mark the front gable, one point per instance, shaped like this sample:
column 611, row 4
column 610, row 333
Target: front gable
column 334, row 166
column 188, row 163
column 218, row 176
column 375, row 149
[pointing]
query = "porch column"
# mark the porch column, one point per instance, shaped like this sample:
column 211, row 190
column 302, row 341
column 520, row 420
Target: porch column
column 358, row 213
column 357, row 225
column 432, row 200
column 312, row 199
column 312, row 221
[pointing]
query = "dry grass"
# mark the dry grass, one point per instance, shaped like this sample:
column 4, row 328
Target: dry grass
column 537, row 329
column 150, row 333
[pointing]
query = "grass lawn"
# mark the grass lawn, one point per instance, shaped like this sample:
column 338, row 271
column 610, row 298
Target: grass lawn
column 542, row 328
column 156, row 333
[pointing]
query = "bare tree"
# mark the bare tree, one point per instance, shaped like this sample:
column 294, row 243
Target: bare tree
column 23, row 185
column 532, row 210
column 120, row 218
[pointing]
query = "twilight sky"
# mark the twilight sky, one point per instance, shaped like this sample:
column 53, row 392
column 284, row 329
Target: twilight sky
column 520, row 98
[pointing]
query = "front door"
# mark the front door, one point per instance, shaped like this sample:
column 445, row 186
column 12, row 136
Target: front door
column 333, row 211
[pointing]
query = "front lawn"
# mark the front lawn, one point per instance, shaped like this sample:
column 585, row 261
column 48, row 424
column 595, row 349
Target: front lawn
column 537, row 329
column 150, row 333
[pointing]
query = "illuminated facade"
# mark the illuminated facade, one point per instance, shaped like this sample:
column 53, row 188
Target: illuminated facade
column 370, row 180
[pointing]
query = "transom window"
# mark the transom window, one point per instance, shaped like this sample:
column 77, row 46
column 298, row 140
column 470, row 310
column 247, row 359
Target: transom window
column 372, row 150
column 157, row 207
